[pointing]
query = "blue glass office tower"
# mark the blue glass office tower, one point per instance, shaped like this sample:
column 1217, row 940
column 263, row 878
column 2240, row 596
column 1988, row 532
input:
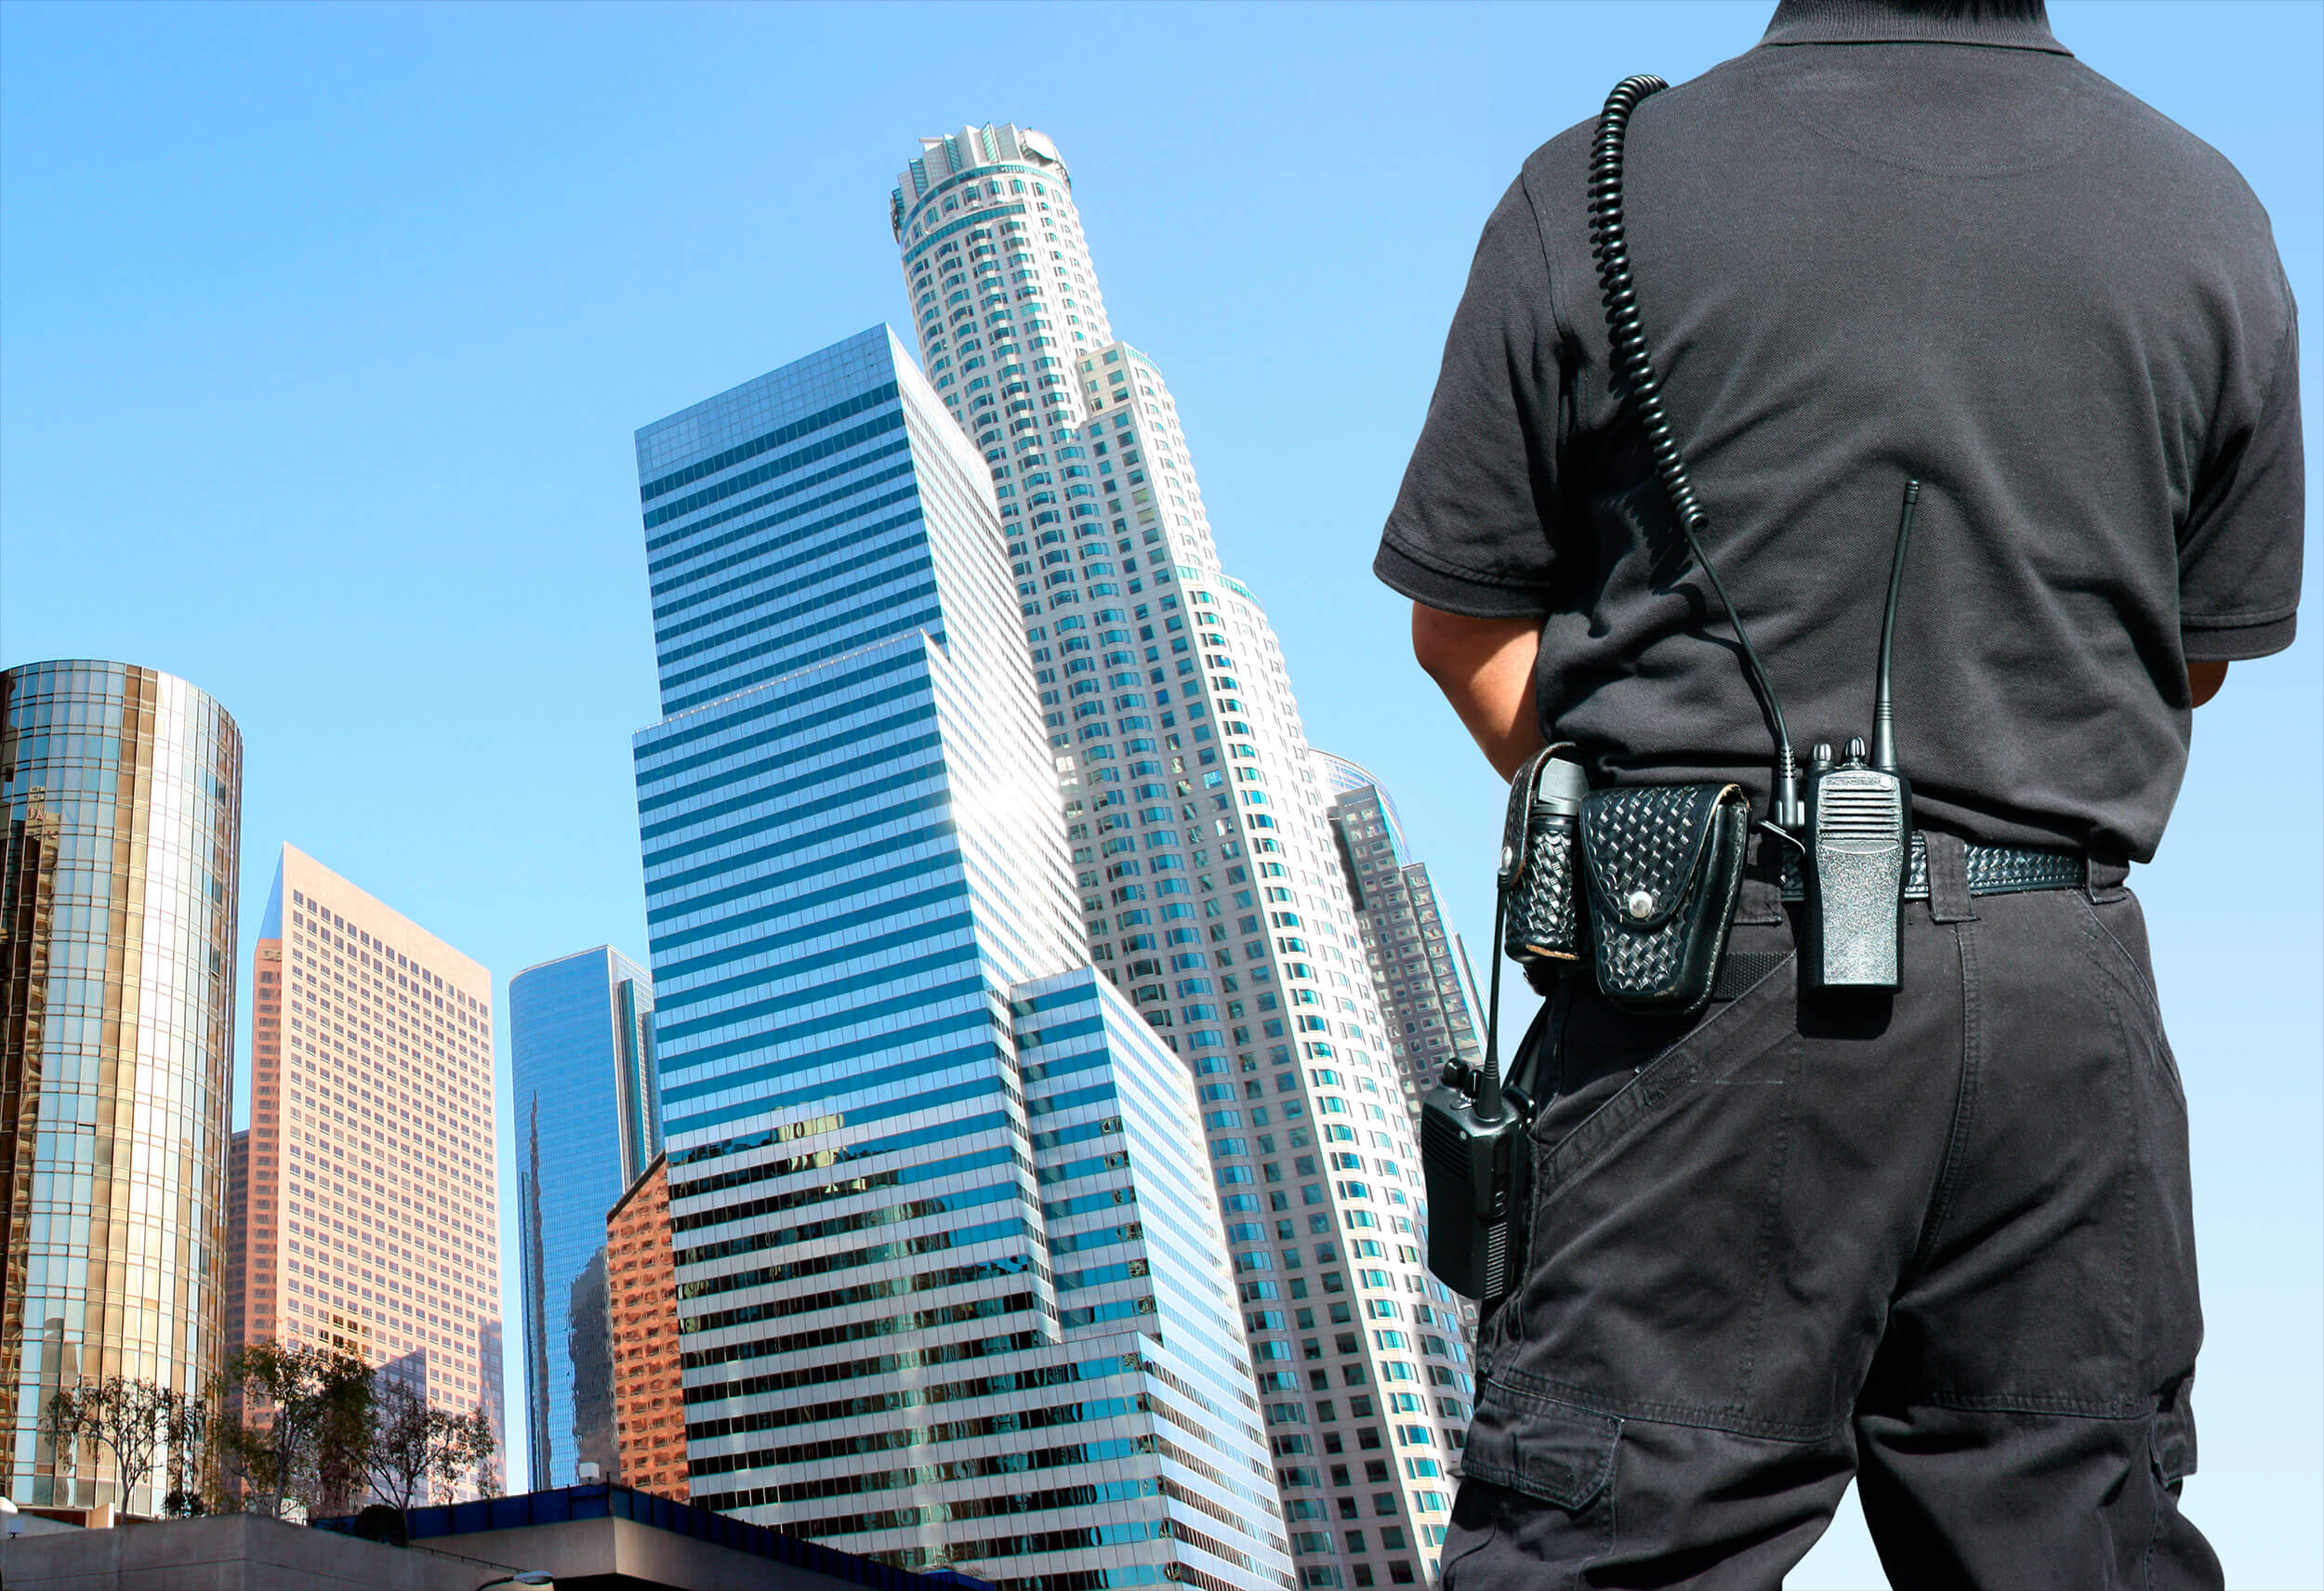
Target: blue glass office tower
column 950, row 1272
column 581, row 1029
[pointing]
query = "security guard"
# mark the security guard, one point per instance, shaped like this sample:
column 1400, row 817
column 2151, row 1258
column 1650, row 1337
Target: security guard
column 1939, row 1241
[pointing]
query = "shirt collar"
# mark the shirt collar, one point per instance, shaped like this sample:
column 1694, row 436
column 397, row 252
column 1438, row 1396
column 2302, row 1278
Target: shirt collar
column 1873, row 21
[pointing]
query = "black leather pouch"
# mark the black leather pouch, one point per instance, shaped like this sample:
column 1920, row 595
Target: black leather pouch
column 1664, row 867
column 1539, row 866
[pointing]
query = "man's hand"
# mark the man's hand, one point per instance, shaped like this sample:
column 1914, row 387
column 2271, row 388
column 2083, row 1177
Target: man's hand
column 1484, row 667
column 2204, row 680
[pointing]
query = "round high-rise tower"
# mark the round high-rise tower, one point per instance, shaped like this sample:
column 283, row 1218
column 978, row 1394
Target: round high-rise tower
column 1004, row 296
column 120, row 790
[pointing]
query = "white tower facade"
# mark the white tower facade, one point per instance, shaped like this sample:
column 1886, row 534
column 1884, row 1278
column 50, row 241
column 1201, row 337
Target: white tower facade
column 1208, row 878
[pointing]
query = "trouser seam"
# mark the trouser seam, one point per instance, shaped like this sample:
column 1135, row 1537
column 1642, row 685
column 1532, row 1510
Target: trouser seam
column 2126, row 1286
column 1763, row 1260
column 1965, row 1101
column 2161, row 1496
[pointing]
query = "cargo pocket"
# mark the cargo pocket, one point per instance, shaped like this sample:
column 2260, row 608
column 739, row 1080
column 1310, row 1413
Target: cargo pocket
column 1557, row 1451
column 2170, row 1436
column 1657, row 1224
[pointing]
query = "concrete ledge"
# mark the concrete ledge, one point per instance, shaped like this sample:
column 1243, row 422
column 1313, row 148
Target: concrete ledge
column 231, row 1552
column 621, row 1555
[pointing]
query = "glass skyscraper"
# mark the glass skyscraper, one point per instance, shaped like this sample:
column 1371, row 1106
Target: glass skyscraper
column 1204, row 863
column 581, row 1042
column 950, row 1276
column 1412, row 948
column 121, row 788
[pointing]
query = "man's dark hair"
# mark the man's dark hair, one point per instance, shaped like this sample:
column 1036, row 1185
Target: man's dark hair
column 1977, row 10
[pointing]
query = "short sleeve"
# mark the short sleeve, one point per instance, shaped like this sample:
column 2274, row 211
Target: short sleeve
column 1471, row 533
column 2239, row 553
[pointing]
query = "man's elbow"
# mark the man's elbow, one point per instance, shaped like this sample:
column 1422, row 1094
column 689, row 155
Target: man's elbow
column 1450, row 647
column 1432, row 643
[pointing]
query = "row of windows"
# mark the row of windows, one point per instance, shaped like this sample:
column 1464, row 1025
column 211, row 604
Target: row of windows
column 677, row 568
column 854, row 546
column 860, row 1220
column 788, row 464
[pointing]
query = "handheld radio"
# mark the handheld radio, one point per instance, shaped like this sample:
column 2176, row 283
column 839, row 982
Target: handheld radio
column 1475, row 1153
column 1860, row 814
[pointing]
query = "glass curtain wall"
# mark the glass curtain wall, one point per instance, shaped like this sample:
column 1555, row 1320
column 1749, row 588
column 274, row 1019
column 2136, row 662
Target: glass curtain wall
column 587, row 1126
column 121, row 789
column 950, row 1278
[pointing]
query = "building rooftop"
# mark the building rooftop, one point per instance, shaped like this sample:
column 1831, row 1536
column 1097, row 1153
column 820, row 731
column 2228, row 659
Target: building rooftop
column 607, row 1537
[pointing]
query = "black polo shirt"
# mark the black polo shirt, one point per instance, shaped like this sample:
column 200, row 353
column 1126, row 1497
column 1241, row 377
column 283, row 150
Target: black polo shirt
column 1878, row 246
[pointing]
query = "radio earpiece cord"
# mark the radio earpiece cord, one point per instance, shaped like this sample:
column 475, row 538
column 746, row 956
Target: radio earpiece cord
column 1610, row 242
column 1851, row 831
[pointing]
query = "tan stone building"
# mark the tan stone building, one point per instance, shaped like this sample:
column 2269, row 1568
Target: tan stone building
column 370, row 1213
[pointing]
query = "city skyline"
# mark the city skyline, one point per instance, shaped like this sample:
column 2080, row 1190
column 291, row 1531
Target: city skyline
column 444, row 349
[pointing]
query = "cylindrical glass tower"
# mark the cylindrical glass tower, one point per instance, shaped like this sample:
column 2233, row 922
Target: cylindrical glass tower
column 120, row 792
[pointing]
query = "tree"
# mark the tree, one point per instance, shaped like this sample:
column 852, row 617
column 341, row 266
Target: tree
column 186, row 1440
column 413, row 1443
column 131, row 1419
column 299, row 1425
column 481, row 1447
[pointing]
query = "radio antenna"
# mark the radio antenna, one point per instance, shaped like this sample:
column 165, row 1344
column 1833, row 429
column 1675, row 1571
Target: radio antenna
column 1883, row 712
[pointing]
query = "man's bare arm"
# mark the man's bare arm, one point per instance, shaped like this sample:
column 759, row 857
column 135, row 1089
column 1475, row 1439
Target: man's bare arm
column 2204, row 679
column 1484, row 667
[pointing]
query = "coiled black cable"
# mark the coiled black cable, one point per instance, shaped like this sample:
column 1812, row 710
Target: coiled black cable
column 1633, row 366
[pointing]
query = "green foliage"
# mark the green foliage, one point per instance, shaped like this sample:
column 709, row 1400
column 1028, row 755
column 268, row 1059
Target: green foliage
column 412, row 1443
column 298, row 1426
column 380, row 1522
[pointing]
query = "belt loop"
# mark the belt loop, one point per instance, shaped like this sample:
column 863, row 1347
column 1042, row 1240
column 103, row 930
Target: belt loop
column 2107, row 881
column 1948, row 879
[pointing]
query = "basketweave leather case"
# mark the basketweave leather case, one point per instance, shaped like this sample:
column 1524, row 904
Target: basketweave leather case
column 1539, row 864
column 1663, row 866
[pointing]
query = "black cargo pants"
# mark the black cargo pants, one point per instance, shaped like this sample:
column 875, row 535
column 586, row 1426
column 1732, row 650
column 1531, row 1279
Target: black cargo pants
column 1940, row 1241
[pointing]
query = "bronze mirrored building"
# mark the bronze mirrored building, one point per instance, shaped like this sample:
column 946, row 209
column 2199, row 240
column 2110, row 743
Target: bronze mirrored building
column 120, row 792
column 648, row 1375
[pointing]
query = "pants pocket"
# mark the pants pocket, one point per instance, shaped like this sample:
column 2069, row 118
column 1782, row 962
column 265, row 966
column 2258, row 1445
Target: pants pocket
column 2170, row 1436
column 1523, row 1452
column 1656, row 1224
column 1475, row 1521
column 1558, row 1451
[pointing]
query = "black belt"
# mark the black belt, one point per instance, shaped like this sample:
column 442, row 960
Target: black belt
column 1991, row 870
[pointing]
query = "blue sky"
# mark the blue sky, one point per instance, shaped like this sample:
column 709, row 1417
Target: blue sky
column 323, row 330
